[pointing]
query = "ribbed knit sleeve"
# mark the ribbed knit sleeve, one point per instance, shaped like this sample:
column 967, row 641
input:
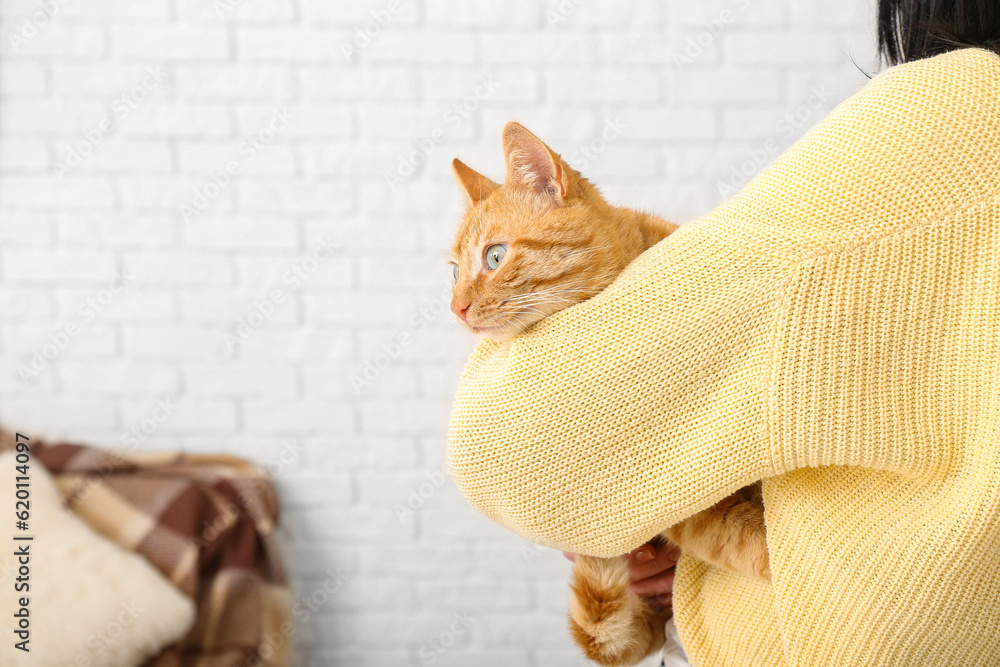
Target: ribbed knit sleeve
column 884, row 533
column 887, row 211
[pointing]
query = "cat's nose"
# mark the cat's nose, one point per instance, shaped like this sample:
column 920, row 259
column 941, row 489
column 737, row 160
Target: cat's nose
column 460, row 307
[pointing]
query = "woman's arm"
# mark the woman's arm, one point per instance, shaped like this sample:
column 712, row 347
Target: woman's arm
column 631, row 411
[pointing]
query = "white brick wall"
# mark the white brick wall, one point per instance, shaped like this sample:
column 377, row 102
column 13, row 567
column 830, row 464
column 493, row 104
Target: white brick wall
column 699, row 88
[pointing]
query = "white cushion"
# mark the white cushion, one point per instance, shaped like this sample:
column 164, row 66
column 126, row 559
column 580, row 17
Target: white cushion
column 91, row 603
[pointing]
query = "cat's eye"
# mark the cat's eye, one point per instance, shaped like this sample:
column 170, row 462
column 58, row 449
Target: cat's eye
column 454, row 271
column 494, row 254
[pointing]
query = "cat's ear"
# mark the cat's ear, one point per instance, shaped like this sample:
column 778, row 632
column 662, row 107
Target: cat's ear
column 475, row 185
column 531, row 164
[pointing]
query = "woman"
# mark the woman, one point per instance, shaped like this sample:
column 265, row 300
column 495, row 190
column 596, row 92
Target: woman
column 833, row 330
column 907, row 31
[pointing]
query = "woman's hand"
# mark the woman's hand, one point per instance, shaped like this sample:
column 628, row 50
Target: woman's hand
column 651, row 569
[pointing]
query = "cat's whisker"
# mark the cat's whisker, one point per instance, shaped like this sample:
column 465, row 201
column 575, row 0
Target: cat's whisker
column 546, row 293
column 585, row 251
column 550, row 292
column 533, row 299
column 521, row 327
column 534, row 306
column 546, row 299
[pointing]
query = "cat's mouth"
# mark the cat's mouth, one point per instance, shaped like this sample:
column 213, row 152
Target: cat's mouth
column 494, row 332
column 480, row 329
column 500, row 333
column 499, row 329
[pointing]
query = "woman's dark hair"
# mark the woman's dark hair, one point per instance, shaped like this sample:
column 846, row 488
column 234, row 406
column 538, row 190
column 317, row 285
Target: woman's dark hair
column 913, row 29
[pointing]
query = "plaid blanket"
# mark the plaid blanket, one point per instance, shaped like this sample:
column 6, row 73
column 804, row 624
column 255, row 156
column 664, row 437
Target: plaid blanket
column 207, row 523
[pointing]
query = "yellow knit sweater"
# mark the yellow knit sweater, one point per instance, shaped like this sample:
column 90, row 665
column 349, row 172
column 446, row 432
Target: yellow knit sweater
column 833, row 330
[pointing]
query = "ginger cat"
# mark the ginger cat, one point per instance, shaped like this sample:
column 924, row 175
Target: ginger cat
column 542, row 241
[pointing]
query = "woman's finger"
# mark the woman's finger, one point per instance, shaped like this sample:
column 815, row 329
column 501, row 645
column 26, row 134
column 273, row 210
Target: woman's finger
column 641, row 554
column 663, row 558
column 651, row 587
